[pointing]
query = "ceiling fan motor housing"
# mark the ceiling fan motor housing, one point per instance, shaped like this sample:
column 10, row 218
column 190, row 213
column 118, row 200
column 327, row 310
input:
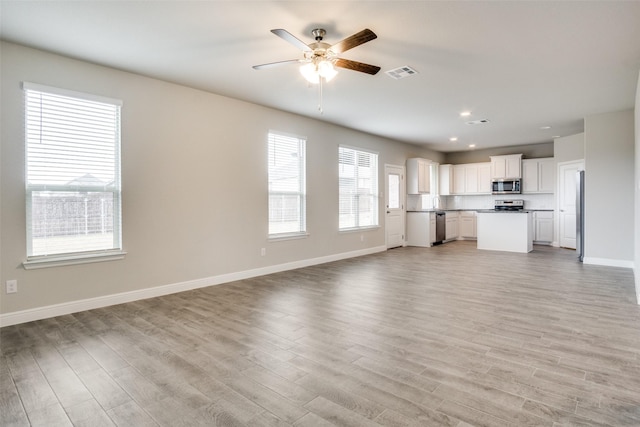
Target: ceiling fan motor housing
column 318, row 34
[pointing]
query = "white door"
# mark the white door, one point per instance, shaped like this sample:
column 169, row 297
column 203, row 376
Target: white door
column 394, row 220
column 567, row 202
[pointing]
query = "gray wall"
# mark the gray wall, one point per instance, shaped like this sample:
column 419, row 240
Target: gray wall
column 609, row 186
column 532, row 151
column 569, row 148
column 194, row 184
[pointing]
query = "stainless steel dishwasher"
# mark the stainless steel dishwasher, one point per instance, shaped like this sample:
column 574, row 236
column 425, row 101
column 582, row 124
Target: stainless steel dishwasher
column 441, row 223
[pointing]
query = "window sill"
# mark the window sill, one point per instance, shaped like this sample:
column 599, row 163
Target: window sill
column 72, row 259
column 289, row 236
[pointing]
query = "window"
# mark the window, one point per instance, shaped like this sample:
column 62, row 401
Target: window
column 287, row 188
column 358, row 188
column 72, row 173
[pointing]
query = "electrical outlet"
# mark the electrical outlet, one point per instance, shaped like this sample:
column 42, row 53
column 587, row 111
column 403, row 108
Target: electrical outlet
column 12, row 286
column 263, row 251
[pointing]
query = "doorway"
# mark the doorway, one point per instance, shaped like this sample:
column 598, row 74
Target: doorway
column 394, row 203
column 567, row 202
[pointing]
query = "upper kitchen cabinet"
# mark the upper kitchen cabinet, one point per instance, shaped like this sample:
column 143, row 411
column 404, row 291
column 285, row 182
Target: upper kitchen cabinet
column 539, row 175
column 445, row 180
column 508, row 166
column 471, row 178
column 418, row 176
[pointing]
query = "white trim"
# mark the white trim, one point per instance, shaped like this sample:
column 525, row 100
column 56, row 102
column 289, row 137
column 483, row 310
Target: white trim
column 609, row 262
column 355, row 148
column 83, row 258
column 357, row 229
column 287, row 236
column 39, row 313
column 70, row 93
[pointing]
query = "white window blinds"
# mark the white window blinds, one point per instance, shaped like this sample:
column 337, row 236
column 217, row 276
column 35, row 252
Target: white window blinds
column 358, row 188
column 72, row 172
column 287, row 188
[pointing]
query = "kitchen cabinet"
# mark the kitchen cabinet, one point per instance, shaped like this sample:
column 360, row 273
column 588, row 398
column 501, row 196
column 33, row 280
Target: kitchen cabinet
column 459, row 178
column 467, row 225
column 508, row 166
column 472, row 178
column 420, row 232
column 484, row 178
column 418, row 176
column 538, row 175
column 543, row 227
column 445, row 179
column 451, row 224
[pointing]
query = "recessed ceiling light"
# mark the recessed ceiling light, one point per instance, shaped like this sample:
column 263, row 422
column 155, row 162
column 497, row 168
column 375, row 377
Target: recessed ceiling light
column 556, row 136
column 465, row 114
column 472, row 145
column 545, row 127
column 453, row 139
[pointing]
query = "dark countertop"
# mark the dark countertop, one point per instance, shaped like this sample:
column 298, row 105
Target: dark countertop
column 504, row 211
column 476, row 210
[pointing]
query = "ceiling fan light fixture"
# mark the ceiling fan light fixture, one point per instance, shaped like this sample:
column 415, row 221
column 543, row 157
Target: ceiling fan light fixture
column 312, row 72
column 326, row 70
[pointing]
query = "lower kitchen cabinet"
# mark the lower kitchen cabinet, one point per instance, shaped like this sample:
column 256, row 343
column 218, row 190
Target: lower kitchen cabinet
column 451, row 230
column 467, row 223
column 543, row 227
column 420, row 231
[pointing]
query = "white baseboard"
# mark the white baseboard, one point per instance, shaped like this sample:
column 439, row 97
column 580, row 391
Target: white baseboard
column 46, row 312
column 608, row 262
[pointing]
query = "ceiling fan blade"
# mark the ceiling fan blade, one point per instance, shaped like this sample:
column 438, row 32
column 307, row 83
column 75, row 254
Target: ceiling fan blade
column 275, row 64
column 357, row 39
column 357, row 66
column 287, row 36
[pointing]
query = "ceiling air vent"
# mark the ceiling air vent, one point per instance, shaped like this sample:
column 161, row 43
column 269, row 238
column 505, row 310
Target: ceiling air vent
column 478, row 122
column 401, row 73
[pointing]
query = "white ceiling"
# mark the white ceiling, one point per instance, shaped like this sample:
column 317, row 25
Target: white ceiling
column 522, row 65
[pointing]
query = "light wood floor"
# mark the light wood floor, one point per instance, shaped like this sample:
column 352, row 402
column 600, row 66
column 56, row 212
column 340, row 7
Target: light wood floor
column 447, row 336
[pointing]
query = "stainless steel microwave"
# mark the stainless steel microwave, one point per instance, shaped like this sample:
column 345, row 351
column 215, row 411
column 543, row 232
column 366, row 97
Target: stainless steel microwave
column 505, row 186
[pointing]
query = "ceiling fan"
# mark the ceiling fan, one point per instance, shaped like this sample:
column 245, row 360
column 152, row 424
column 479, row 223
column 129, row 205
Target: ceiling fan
column 320, row 58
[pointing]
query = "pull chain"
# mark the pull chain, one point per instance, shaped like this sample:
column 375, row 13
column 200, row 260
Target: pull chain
column 320, row 96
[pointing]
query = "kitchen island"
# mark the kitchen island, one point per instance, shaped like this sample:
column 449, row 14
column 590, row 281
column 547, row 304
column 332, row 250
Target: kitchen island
column 510, row 231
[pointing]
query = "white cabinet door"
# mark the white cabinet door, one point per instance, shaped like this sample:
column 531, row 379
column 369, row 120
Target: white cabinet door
column 471, row 179
column 506, row 166
column 498, row 167
column 514, row 166
column 538, row 175
column 484, row 178
column 547, row 175
column 445, row 178
column 530, row 176
column 543, row 227
column 459, row 179
column 451, row 226
column 418, row 176
column 467, row 224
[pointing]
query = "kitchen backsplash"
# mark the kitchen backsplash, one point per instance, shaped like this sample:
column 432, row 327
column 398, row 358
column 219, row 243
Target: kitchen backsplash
column 483, row 201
